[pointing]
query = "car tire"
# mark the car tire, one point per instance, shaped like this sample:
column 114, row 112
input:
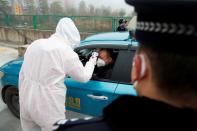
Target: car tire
column 12, row 100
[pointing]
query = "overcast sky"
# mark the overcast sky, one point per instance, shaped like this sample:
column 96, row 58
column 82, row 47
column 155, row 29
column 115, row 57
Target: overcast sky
column 114, row 4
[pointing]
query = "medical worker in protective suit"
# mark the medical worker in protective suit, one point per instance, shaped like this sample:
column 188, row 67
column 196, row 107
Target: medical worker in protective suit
column 41, row 79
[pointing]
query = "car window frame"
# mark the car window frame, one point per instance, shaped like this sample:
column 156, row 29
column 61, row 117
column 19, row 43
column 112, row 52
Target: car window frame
column 117, row 70
column 98, row 46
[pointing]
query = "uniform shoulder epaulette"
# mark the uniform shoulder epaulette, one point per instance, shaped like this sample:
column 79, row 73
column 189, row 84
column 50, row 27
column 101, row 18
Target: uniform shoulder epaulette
column 68, row 123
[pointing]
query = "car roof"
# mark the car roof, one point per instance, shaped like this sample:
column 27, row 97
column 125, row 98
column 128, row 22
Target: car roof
column 116, row 38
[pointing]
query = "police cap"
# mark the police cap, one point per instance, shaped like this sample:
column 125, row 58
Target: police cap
column 167, row 25
column 122, row 21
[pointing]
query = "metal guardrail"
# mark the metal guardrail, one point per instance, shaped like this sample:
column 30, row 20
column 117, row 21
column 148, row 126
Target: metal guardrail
column 89, row 24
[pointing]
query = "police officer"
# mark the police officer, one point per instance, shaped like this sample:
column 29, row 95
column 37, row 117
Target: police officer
column 122, row 25
column 163, row 74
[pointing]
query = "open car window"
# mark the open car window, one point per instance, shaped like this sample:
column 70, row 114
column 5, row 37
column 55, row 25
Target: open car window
column 84, row 55
column 100, row 73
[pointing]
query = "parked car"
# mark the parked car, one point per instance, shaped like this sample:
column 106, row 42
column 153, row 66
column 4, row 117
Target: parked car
column 84, row 98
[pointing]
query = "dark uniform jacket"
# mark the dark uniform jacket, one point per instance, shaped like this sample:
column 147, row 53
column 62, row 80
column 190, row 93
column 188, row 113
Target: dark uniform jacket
column 121, row 28
column 129, row 113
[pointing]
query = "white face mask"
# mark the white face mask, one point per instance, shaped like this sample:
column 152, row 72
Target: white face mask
column 100, row 62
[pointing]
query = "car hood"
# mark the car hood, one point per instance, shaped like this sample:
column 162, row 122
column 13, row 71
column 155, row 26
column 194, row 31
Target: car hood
column 12, row 66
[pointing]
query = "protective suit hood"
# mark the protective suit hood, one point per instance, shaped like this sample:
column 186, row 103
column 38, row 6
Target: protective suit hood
column 67, row 30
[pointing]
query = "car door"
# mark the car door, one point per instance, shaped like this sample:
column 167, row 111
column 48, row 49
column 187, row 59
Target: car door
column 89, row 98
column 122, row 73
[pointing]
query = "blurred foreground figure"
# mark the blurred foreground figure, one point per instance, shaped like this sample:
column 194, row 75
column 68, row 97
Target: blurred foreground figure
column 163, row 74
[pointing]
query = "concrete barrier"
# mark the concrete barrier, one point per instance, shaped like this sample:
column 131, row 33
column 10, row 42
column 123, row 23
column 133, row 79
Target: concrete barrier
column 18, row 36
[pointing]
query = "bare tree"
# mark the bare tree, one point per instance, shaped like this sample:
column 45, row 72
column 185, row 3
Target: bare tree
column 31, row 9
column 91, row 10
column 106, row 11
column 71, row 11
column 4, row 5
column 56, row 8
column 98, row 12
column 82, row 8
column 43, row 7
column 122, row 12
column 115, row 13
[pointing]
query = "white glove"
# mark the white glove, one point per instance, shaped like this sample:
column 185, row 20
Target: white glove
column 94, row 54
column 94, row 57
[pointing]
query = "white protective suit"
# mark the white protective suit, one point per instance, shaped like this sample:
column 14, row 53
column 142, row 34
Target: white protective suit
column 41, row 79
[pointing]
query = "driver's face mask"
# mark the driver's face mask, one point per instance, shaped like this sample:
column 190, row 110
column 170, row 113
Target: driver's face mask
column 100, row 62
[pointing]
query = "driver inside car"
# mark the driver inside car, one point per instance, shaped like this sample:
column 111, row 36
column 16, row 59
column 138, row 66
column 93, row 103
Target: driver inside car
column 104, row 64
